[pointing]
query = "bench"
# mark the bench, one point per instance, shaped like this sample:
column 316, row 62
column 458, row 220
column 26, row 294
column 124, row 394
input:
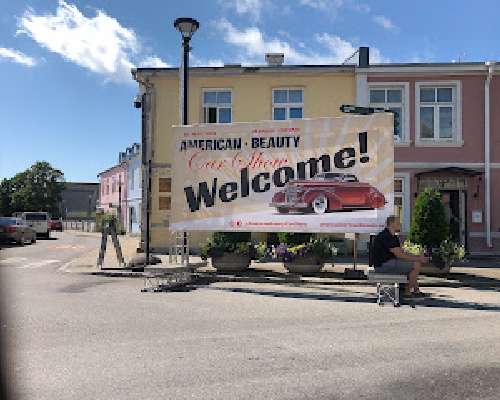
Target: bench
column 387, row 286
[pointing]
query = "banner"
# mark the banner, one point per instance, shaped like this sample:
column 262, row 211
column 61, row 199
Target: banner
column 307, row 175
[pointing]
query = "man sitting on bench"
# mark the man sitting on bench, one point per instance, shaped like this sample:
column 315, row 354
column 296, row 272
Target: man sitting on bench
column 389, row 257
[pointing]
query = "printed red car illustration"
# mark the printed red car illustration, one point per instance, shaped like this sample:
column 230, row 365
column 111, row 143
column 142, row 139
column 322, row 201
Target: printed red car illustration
column 327, row 191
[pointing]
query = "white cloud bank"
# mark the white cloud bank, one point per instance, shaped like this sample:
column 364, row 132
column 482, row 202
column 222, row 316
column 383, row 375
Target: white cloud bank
column 252, row 8
column 253, row 46
column 100, row 43
column 17, row 57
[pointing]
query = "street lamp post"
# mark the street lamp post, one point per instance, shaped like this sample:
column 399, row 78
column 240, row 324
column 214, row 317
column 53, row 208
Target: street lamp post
column 186, row 26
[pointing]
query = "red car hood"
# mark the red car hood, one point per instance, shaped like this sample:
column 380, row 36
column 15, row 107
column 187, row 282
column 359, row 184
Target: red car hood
column 309, row 183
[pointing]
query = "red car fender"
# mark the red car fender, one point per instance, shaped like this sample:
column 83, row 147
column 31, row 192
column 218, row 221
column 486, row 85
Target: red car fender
column 376, row 199
column 333, row 200
column 279, row 197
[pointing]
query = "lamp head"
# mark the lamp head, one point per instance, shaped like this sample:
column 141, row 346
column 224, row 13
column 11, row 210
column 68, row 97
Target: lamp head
column 186, row 26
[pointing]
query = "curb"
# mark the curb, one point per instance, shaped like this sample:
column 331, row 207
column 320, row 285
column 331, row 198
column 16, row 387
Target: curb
column 212, row 277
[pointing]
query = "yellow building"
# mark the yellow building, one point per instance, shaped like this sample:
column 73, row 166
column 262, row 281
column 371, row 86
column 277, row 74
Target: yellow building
column 227, row 94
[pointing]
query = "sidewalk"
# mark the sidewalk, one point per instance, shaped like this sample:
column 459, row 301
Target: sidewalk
column 475, row 273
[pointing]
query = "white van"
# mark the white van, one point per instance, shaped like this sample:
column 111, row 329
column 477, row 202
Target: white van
column 38, row 220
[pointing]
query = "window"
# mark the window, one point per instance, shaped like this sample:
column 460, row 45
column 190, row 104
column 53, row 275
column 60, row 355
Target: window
column 402, row 199
column 132, row 176
column 391, row 98
column 165, row 184
column 217, row 106
column 438, row 114
column 113, row 186
column 288, row 104
column 164, row 203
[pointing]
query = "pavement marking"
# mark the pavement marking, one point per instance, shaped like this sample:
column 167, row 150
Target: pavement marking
column 65, row 266
column 66, row 247
column 14, row 260
column 38, row 264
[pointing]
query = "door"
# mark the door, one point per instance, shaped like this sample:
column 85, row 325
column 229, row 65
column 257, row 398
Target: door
column 454, row 203
column 130, row 218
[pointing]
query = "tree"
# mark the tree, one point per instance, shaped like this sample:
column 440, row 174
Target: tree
column 38, row 188
column 5, row 197
column 428, row 224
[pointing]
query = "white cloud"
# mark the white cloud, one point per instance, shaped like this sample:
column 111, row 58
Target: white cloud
column 17, row 57
column 251, row 7
column 100, row 43
column 253, row 46
column 384, row 22
column 153, row 62
column 323, row 5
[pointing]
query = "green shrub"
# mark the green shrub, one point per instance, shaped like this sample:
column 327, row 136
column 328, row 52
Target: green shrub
column 103, row 219
column 428, row 224
column 294, row 238
column 227, row 242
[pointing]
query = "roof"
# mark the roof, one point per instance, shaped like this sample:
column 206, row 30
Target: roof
column 111, row 169
column 237, row 69
column 451, row 171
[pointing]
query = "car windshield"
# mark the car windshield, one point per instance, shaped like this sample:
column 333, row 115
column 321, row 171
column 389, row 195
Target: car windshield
column 328, row 175
column 350, row 178
column 35, row 217
column 5, row 221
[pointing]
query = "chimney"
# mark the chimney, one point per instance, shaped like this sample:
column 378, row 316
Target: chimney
column 364, row 57
column 275, row 59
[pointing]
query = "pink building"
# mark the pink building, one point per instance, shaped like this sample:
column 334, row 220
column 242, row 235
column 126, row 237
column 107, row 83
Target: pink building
column 448, row 138
column 113, row 190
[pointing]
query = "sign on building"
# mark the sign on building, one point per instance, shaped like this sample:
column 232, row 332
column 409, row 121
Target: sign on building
column 308, row 175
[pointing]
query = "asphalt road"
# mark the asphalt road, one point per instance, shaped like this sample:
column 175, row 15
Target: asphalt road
column 74, row 336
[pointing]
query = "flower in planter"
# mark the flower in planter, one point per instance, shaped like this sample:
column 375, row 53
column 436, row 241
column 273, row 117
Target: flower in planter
column 449, row 252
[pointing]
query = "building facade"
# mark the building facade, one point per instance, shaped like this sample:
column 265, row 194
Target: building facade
column 448, row 134
column 448, row 138
column 134, row 189
column 78, row 200
column 228, row 94
column 113, row 190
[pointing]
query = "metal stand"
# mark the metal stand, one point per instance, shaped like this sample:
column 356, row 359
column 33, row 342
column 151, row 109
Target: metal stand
column 179, row 250
column 388, row 292
column 110, row 229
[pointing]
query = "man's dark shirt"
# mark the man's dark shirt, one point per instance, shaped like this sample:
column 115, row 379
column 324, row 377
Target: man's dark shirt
column 382, row 244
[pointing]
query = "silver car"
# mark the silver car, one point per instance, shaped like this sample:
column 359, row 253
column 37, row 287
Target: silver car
column 15, row 230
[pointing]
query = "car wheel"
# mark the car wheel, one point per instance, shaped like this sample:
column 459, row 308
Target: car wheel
column 33, row 239
column 320, row 204
column 283, row 210
column 21, row 241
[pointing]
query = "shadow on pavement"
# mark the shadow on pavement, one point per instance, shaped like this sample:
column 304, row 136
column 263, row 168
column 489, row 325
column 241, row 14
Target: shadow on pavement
column 366, row 298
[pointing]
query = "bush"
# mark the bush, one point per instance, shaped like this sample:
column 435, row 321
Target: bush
column 428, row 224
column 103, row 219
column 227, row 242
column 294, row 238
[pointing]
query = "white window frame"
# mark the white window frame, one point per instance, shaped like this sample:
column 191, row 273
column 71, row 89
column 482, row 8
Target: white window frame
column 405, row 107
column 215, row 105
column 405, row 177
column 287, row 106
column 456, row 135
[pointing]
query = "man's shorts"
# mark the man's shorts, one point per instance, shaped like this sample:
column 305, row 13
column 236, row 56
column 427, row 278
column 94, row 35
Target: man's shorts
column 395, row 266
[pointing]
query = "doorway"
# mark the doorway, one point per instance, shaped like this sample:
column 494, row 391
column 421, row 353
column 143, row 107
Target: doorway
column 456, row 204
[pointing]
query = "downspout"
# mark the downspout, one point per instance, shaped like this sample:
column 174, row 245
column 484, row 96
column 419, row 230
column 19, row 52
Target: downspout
column 146, row 88
column 490, row 65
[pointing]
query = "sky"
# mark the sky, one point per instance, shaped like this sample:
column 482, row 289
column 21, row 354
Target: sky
column 66, row 89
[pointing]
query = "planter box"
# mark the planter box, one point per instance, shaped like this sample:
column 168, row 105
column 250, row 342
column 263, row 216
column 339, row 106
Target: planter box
column 431, row 269
column 230, row 262
column 304, row 265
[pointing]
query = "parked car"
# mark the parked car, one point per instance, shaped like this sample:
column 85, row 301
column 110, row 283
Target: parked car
column 38, row 220
column 55, row 225
column 16, row 230
column 327, row 191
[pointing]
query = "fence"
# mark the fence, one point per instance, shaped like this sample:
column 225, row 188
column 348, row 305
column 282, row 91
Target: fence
column 83, row 226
